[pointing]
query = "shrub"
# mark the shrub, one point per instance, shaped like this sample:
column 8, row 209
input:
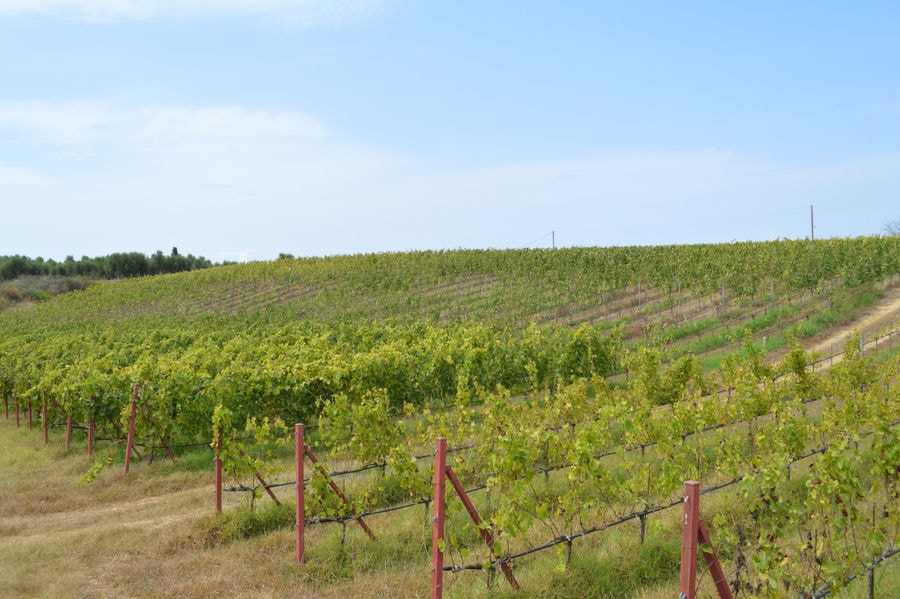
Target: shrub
column 12, row 293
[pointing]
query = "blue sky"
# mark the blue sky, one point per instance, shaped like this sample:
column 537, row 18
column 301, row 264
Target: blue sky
column 240, row 129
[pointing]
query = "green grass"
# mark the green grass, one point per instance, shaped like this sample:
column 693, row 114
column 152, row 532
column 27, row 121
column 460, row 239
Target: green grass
column 608, row 565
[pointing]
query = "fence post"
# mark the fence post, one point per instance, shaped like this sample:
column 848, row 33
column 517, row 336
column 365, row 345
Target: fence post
column 217, row 462
column 17, row 411
column 130, row 443
column 46, row 433
column 690, row 531
column 91, row 430
column 437, row 540
column 300, row 521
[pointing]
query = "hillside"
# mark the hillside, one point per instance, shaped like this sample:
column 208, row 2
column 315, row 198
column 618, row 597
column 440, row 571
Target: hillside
column 516, row 352
column 425, row 326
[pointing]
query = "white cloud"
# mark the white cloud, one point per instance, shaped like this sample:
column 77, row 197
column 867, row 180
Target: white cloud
column 295, row 13
column 220, row 180
column 85, row 123
column 18, row 177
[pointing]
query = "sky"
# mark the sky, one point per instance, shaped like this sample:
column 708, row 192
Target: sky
column 242, row 129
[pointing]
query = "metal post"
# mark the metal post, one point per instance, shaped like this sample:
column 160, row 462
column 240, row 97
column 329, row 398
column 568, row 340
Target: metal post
column 812, row 224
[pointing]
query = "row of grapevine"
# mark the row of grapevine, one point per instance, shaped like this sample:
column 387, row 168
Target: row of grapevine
column 506, row 285
column 284, row 371
column 817, row 454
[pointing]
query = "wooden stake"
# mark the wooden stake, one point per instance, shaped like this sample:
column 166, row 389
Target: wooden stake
column 217, row 465
column 690, row 532
column 300, row 521
column 129, row 445
column 437, row 539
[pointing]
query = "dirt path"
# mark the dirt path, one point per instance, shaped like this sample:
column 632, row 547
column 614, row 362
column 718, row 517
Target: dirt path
column 877, row 320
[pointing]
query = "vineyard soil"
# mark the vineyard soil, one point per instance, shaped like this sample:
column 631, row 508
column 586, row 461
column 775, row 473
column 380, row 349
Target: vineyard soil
column 881, row 316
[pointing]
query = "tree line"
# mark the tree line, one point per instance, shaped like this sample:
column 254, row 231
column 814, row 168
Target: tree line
column 113, row 266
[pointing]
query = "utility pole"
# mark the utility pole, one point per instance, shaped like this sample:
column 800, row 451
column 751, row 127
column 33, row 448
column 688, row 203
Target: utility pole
column 553, row 235
column 812, row 226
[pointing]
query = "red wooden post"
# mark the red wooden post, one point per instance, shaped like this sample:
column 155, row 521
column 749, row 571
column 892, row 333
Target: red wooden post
column 68, row 430
column 44, row 417
column 30, row 415
column 300, row 522
column 218, row 469
column 690, row 531
column 17, row 411
column 6, row 402
column 485, row 534
column 440, row 486
column 91, row 436
column 129, row 445
column 91, row 429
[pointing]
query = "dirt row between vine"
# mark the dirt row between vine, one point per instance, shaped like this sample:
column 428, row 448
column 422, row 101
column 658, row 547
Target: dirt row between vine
column 883, row 316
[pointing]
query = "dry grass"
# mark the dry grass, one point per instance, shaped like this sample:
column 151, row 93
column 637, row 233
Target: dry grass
column 141, row 535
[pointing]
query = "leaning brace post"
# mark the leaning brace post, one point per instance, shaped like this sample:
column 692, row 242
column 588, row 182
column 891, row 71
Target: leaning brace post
column 218, row 470
column 166, row 447
column 690, row 532
column 339, row 493
column 440, row 485
column 715, row 568
column 130, row 443
column 300, row 522
column 262, row 481
column 485, row 534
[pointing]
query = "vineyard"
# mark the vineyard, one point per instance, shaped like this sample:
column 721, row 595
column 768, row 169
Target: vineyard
column 577, row 389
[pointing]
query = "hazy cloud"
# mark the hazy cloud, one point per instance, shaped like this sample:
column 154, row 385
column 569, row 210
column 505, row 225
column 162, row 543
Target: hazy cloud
column 248, row 184
column 18, row 177
column 294, row 13
column 79, row 123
